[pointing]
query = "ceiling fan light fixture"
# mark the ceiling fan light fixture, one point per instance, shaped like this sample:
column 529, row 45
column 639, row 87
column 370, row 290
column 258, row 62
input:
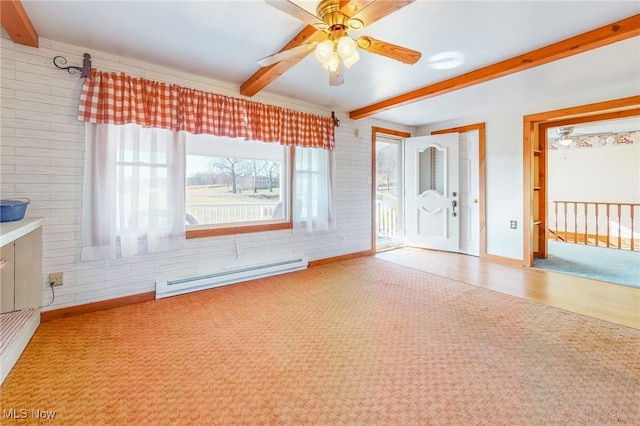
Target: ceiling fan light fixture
column 324, row 50
column 352, row 59
column 330, row 52
column 346, row 47
column 333, row 62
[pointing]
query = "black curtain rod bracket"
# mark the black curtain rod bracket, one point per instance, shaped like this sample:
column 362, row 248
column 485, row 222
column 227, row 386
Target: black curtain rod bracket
column 336, row 122
column 85, row 71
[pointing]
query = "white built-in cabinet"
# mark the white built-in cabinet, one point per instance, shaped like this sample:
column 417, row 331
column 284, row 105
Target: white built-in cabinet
column 20, row 288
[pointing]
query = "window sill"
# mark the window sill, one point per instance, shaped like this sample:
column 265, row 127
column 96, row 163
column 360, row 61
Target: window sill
column 204, row 232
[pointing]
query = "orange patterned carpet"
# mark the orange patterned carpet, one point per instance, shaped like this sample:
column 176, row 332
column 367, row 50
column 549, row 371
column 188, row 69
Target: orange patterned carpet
column 357, row 342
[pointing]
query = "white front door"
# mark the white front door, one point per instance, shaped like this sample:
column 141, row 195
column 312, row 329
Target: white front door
column 432, row 192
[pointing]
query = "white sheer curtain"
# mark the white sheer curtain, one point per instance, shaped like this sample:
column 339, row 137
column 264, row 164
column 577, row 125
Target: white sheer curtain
column 313, row 205
column 133, row 195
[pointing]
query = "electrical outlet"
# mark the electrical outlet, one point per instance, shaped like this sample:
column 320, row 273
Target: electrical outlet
column 513, row 224
column 55, row 279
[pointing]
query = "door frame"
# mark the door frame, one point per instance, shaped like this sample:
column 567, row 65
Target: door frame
column 374, row 136
column 535, row 232
column 480, row 127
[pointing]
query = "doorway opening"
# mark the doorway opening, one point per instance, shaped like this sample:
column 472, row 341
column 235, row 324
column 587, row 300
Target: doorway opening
column 536, row 179
column 472, row 189
column 388, row 190
column 593, row 206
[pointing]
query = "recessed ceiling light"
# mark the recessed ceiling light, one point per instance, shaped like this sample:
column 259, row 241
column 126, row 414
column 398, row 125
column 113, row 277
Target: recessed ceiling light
column 446, row 60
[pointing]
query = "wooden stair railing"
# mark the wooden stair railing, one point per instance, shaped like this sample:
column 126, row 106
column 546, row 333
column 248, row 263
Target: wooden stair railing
column 554, row 236
column 600, row 224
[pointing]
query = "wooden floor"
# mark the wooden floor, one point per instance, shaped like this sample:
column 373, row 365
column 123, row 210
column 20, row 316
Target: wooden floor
column 610, row 302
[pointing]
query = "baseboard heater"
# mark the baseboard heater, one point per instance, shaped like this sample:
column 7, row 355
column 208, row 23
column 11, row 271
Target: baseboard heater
column 166, row 288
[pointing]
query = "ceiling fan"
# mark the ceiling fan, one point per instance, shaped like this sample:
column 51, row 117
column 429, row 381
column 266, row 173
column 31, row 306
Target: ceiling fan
column 564, row 135
column 334, row 49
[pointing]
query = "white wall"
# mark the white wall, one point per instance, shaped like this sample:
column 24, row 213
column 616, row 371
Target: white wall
column 41, row 157
column 605, row 174
column 602, row 174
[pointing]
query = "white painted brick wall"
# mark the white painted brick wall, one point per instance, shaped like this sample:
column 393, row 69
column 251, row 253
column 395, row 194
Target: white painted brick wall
column 42, row 158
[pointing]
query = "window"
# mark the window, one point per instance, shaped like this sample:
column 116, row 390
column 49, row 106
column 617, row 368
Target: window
column 144, row 187
column 141, row 176
column 235, row 186
column 110, row 99
column 133, row 191
column 314, row 208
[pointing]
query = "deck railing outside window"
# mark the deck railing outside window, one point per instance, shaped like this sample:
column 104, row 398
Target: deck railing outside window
column 212, row 213
column 601, row 224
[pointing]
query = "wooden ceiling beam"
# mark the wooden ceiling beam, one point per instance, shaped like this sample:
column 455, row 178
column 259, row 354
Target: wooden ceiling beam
column 608, row 34
column 16, row 22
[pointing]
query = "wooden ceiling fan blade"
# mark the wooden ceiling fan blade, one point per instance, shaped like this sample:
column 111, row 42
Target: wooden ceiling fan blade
column 298, row 12
column 369, row 11
column 389, row 50
column 294, row 52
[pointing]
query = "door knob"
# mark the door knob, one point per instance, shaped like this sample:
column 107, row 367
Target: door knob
column 475, row 201
column 454, row 204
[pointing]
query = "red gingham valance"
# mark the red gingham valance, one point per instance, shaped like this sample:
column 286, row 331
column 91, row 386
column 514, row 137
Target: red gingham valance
column 117, row 98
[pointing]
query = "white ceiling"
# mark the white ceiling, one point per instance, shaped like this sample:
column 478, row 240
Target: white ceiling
column 223, row 39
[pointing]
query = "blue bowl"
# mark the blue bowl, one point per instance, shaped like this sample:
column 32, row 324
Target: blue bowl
column 12, row 210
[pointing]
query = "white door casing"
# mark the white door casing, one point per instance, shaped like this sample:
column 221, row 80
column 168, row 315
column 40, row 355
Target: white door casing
column 432, row 192
column 470, row 193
